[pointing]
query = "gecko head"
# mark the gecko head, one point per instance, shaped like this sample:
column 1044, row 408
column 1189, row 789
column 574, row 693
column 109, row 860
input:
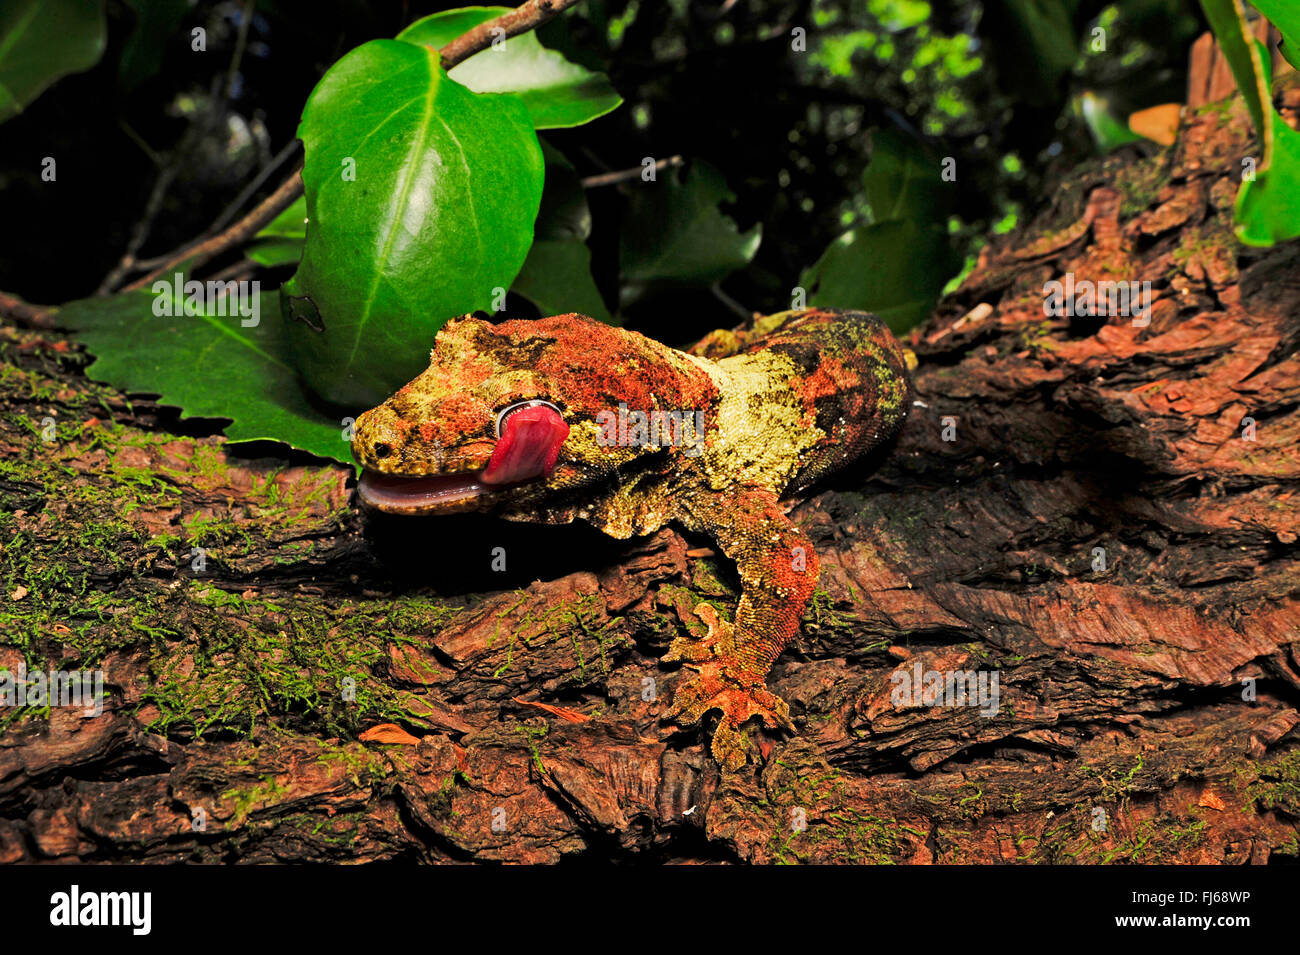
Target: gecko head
column 503, row 416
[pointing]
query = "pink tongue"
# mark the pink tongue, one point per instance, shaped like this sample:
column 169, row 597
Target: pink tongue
column 528, row 448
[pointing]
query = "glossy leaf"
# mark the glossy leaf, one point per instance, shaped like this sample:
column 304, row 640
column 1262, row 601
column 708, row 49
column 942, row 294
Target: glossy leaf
column 207, row 365
column 275, row 252
column 1285, row 15
column 557, row 279
column 1268, row 209
column 895, row 269
column 42, row 41
column 903, row 179
column 564, row 213
column 421, row 197
column 1268, row 204
column 557, row 92
column 556, row 276
column 675, row 234
column 282, row 241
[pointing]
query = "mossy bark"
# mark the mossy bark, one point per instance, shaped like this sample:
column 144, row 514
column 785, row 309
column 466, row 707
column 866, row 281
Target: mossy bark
column 1077, row 505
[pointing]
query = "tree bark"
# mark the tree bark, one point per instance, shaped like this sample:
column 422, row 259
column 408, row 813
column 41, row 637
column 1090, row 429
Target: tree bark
column 1102, row 514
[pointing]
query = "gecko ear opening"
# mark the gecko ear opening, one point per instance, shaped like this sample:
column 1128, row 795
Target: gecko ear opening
column 528, row 446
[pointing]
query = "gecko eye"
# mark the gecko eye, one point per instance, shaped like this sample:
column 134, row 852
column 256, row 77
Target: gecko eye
column 507, row 411
column 382, row 450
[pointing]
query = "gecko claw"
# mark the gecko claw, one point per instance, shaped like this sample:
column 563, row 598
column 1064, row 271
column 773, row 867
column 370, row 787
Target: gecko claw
column 719, row 684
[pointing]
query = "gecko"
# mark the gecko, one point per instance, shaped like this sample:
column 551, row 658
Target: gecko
column 566, row 418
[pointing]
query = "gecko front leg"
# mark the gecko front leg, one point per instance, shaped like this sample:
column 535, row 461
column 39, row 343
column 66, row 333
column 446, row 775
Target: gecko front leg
column 778, row 572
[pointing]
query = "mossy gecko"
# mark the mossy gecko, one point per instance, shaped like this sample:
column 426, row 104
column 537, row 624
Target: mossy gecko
column 566, row 418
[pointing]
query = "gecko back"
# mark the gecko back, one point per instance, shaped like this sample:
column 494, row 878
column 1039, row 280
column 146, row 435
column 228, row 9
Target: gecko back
column 852, row 379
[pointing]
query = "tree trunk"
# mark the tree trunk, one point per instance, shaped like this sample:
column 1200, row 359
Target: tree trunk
column 1100, row 513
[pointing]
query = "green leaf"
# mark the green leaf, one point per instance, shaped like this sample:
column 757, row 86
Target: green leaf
column 675, row 234
column 155, row 21
column 439, row 215
column 903, row 181
column 1035, row 46
column 291, row 223
column 557, row 279
column 1285, row 15
column 896, row 269
column 564, row 213
column 556, row 276
column 557, row 92
column 275, row 252
column 1107, row 131
column 207, row 365
column 1267, row 210
column 282, row 240
column 42, row 41
column 1228, row 21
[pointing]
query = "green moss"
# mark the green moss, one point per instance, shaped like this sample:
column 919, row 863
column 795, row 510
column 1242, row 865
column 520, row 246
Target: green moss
column 581, row 621
column 839, row 829
column 1277, row 785
column 266, row 790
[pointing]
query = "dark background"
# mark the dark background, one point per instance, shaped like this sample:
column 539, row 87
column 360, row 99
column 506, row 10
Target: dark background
column 995, row 85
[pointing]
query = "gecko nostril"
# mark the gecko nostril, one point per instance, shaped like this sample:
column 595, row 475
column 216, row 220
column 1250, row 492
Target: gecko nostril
column 382, row 450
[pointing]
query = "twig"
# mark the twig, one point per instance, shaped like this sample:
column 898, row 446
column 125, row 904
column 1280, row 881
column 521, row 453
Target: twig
column 248, row 191
column 144, row 265
column 623, row 175
column 128, row 263
column 25, row 314
column 730, row 302
column 523, row 18
column 241, row 231
column 141, row 230
column 241, row 43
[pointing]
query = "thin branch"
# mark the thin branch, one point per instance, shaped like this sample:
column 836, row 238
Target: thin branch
column 141, row 230
column 249, row 190
column 25, row 314
column 241, row 231
column 731, row 303
column 523, row 18
column 241, row 43
column 623, row 175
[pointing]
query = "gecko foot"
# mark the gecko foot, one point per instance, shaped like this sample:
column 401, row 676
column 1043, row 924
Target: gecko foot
column 720, row 684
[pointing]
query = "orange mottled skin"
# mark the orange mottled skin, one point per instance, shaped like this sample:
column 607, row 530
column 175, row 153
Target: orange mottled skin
column 797, row 396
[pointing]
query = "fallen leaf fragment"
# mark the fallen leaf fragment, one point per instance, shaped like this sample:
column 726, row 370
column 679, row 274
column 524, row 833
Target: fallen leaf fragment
column 1211, row 801
column 389, row 733
column 573, row 716
column 1158, row 123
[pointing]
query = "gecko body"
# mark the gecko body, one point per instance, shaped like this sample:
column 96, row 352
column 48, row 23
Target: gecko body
column 566, row 418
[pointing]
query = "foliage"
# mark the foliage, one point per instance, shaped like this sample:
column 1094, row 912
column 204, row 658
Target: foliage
column 42, row 40
column 815, row 135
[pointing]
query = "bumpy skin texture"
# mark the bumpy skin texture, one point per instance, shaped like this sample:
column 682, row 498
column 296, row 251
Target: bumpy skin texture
column 782, row 405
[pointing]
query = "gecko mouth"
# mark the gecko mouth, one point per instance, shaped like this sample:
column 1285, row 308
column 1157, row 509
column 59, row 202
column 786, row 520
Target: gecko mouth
column 393, row 494
column 526, row 449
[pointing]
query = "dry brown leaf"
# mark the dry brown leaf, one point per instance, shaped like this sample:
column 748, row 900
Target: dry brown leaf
column 1211, row 801
column 573, row 716
column 389, row 733
column 1158, row 123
